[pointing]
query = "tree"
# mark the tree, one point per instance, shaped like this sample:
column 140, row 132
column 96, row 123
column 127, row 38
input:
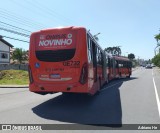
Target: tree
column 19, row 54
column 156, row 60
column 157, row 37
column 109, row 50
column 114, row 50
column 117, row 51
column 131, row 56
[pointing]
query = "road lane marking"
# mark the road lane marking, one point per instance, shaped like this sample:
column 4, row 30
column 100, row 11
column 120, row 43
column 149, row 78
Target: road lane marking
column 157, row 97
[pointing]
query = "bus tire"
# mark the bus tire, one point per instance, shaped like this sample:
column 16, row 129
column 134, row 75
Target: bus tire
column 99, row 89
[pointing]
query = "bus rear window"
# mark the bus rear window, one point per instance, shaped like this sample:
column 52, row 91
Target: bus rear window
column 55, row 55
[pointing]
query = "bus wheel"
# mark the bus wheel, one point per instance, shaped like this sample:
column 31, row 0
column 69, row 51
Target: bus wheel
column 98, row 91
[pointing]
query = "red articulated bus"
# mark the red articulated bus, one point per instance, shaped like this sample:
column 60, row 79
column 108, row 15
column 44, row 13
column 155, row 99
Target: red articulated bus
column 69, row 59
column 118, row 67
column 65, row 60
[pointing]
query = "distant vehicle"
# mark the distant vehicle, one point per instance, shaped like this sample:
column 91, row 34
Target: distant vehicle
column 148, row 66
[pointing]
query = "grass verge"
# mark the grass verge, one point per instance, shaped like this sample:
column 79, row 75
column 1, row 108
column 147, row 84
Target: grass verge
column 14, row 77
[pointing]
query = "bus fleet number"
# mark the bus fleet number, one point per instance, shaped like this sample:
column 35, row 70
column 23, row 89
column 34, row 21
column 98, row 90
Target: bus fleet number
column 72, row 63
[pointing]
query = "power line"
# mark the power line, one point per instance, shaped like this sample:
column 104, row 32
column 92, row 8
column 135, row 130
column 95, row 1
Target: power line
column 38, row 12
column 54, row 12
column 28, row 20
column 50, row 12
column 15, row 32
column 19, row 21
column 20, row 4
column 25, row 22
column 41, row 9
column 15, row 39
column 14, row 20
column 15, row 29
column 14, row 26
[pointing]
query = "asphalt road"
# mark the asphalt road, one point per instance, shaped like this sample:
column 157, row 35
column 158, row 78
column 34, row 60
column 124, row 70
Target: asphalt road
column 123, row 101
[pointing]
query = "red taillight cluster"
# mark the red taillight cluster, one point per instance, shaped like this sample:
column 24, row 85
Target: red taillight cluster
column 30, row 75
column 84, row 74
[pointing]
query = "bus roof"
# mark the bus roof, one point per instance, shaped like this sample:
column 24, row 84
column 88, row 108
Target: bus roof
column 67, row 28
column 60, row 28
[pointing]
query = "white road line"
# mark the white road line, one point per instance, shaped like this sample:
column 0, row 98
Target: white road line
column 156, row 93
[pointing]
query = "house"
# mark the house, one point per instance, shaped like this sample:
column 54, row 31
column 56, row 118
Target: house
column 4, row 51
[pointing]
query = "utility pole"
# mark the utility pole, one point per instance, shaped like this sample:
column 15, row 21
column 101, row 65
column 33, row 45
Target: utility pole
column 95, row 36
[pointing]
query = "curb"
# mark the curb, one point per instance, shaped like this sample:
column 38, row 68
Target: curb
column 14, row 86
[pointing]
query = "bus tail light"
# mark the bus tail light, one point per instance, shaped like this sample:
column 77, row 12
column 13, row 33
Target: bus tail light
column 30, row 75
column 84, row 74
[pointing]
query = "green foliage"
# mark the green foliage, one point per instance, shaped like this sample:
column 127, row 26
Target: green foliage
column 109, row 50
column 14, row 77
column 156, row 60
column 134, row 63
column 114, row 50
column 157, row 37
column 131, row 56
column 19, row 54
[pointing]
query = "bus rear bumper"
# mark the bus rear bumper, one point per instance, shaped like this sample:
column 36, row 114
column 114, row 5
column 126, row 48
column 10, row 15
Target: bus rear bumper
column 51, row 88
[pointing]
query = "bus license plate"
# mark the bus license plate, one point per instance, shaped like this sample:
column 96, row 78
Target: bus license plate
column 55, row 76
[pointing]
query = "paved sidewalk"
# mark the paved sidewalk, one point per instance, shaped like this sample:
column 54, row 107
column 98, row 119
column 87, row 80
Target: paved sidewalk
column 14, row 86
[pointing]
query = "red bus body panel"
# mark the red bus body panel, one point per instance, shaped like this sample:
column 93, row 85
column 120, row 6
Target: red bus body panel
column 70, row 60
column 61, row 76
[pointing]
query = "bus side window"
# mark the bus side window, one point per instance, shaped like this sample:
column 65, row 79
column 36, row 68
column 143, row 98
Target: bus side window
column 102, row 59
column 121, row 64
column 99, row 56
column 109, row 62
column 94, row 53
column 117, row 64
column 90, row 56
column 124, row 64
column 127, row 64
